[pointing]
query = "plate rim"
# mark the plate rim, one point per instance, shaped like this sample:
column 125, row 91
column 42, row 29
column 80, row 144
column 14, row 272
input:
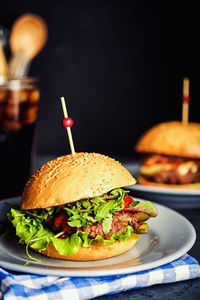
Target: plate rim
column 164, row 190
column 109, row 272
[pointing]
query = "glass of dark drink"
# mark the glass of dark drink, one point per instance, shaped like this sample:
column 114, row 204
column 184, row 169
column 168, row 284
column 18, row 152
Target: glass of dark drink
column 19, row 99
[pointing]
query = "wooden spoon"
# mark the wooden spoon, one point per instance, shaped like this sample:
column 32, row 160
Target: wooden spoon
column 28, row 36
column 3, row 62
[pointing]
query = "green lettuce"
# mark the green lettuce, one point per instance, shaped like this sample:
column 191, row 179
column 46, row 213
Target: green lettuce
column 33, row 231
column 102, row 210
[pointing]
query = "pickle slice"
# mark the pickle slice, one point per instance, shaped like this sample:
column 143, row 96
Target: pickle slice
column 143, row 229
column 134, row 236
column 143, row 217
column 100, row 243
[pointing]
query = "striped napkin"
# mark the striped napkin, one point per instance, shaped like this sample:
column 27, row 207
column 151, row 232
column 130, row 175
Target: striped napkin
column 22, row 286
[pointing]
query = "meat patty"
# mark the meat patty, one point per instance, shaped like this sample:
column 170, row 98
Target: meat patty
column 119, row 221
column 173, row 177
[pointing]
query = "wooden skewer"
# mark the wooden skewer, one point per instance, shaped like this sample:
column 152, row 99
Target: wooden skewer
column 185, row 112
column 186, row 99
column 68, row 128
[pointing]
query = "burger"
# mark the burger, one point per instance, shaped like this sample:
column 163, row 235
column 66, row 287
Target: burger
column 74, row 208
column 171, row 155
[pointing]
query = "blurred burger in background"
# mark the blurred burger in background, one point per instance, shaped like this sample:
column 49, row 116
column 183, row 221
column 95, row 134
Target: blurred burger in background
column 171, row 155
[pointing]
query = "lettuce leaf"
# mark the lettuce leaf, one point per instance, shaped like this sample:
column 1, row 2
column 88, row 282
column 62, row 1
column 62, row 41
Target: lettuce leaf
column 97, row 209
column 107, row 224
column 43, row 213
column 103, row 210
column 31, row 232
column 69, row 245
column 148, row 207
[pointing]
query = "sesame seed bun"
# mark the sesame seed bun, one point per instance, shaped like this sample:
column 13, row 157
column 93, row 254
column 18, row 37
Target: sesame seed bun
column 171, row 138
column 190, row 186
column 71, row 178
column 93, row 252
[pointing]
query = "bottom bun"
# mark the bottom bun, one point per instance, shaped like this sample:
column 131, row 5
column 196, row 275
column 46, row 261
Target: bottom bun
column 93, row 252
column 191, row 186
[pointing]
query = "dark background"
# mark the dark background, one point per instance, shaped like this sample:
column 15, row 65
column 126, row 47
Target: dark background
column 119, row 64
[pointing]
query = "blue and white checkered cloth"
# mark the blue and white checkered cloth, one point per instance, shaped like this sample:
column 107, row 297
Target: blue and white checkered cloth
column 35, row 287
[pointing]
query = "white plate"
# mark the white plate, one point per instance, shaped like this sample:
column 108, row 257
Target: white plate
column 170, row 236
column 172, row 197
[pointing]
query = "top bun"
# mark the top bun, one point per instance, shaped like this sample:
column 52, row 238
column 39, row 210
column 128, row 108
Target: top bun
column 171, row 138
column 71, row 178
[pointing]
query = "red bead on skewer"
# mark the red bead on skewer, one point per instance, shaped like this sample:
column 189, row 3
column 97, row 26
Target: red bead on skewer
column 67, row 122
column 186, row 100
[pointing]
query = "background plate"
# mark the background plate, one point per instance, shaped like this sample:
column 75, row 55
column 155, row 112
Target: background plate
column 172, row 197
column 170, row 236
